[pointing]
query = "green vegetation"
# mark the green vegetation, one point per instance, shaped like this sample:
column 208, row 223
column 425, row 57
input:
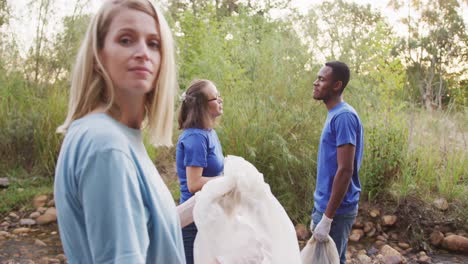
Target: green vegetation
column 24, row 186
column 416, row 136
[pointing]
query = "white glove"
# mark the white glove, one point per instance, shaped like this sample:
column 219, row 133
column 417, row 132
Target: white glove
column 323, row 229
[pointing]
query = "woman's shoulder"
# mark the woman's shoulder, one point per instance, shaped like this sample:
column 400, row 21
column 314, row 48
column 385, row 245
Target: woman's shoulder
column 98, row 130
column 195, row 132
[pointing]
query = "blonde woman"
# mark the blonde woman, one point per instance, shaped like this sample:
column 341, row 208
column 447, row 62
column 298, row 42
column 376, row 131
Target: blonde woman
column 112, row 204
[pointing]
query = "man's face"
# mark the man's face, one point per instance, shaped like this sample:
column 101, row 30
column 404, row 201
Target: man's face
column 324, row 84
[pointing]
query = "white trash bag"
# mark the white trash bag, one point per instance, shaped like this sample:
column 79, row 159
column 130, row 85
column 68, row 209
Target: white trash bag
column 320, row 252
column 240, row 221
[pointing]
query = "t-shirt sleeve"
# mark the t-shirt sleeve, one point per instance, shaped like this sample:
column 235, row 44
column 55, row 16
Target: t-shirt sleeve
column 196, row 151
column 346, row 129
column 113, row 207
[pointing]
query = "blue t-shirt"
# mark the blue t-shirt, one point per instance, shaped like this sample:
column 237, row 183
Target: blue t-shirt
column 198, row 148
column 112, row 205
column 342, row 126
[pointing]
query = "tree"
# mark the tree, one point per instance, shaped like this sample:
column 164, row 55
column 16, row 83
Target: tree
column 435, row 49
column 350, row 32
column 4, row 12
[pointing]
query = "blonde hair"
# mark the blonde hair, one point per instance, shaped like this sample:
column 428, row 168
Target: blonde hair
column 92, row 86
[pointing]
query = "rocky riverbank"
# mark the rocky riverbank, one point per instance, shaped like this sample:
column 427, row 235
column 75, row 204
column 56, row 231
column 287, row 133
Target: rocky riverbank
column 31, row 236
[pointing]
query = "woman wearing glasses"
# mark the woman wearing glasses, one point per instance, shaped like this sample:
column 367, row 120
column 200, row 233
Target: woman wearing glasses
column 199, row 156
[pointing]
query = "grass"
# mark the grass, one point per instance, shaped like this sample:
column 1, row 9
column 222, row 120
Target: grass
column 436, row 162
column 24, row 186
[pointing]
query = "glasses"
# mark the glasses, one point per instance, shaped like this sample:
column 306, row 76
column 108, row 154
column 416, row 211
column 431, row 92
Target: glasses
column 217, row 98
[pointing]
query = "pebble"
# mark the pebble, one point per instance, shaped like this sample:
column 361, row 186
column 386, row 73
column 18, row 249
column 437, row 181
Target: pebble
column 27, row 221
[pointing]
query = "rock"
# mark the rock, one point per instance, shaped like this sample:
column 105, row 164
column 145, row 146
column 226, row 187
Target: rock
column 358, row 223
column 441, row 204
column 4, row 183
column 49, row 216
column 34, row 215
column 21, row 230
column 456, row 243
column 392, row 259
column 424, row 259
column 356, row 234
column 374, row 212
column 40, row 201
column 5, row 224
column 368, row 226
column 381, row 238
column 43, row 260
column 379, row 243
column 51, row 203
column 372, row 251
column 46, row 219
column 40, row 243
column 436, row 238
column 54, row 260
column 302, row 232
column 13, row 216
column 397, row 248
column 389, row 220
column 403, row 245
column 364, row 259
column 4, row 234
column 27, row 221
column 41, row 210
column 51, row 211
column 372, row 232
column 61, row 257
column 389, row 251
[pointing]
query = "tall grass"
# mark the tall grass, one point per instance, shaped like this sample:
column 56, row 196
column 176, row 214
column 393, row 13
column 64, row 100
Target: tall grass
column 29, row 115
column 437, row 159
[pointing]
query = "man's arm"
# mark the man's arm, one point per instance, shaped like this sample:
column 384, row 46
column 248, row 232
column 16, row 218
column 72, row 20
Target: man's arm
column 345, row 160
column 344, row 173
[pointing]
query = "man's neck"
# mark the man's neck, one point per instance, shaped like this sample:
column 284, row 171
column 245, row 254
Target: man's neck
column 332, row 102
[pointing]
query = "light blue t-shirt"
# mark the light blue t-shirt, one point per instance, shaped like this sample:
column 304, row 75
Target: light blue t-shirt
column 342, row 126
column 199, row 148
column 112, row 205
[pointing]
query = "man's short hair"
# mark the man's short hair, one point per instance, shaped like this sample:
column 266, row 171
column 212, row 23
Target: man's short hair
column 340, row 72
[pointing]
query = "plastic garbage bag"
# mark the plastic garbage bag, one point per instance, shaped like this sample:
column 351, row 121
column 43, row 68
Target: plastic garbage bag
column 320, row 252
column 240, row 221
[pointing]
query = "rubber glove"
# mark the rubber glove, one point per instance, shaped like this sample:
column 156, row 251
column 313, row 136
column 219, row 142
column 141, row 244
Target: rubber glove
column 323, row 229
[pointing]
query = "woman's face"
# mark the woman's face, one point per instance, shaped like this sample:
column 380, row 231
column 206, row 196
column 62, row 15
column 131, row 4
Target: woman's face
column 131, row 53
column 215, row 102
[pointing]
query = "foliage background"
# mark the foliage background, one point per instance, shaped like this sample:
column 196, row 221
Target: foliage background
column 410, row 91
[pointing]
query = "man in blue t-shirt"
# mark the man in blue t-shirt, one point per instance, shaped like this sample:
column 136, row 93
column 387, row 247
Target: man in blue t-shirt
column 340, row 151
